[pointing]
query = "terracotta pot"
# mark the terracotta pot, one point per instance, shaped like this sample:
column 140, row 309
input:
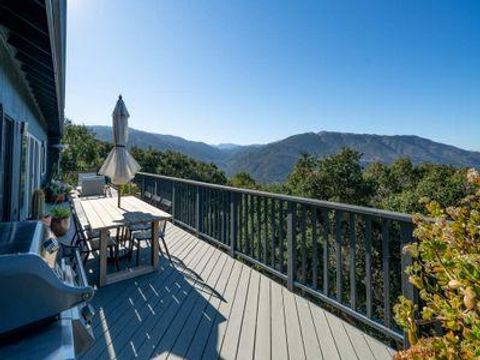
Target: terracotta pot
column 60, row 226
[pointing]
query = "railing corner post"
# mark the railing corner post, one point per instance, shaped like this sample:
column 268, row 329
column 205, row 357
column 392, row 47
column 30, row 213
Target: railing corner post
column 173, row 201
column 291, row 246
column 198, row 214
column 233, row 222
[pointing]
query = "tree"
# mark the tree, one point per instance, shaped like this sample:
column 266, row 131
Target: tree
column 243, row 180
column 336, row 178
column 82, row 151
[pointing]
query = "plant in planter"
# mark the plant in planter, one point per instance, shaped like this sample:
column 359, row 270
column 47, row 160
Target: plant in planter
column 60, row 220
column 57, row 191
column 446, row 272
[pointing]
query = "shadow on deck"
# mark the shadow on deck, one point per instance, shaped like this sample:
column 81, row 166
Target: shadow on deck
column 208, row 305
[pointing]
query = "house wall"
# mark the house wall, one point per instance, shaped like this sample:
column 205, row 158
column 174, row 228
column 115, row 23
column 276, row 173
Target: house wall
column 17, row 104
column 15, row 99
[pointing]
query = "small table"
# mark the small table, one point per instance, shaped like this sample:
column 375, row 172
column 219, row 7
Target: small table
column 103, row 214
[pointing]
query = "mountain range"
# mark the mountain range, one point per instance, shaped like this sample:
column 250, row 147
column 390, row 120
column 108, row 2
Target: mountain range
column 273, row 161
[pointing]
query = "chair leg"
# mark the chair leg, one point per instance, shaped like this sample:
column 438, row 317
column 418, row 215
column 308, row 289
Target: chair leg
column 117, row 260
column 160, row 248
column 130, row 246
column 84, row 260
column 166, row 248
column 138, row 252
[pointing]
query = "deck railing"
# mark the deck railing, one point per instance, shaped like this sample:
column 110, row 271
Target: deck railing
column 347, row 256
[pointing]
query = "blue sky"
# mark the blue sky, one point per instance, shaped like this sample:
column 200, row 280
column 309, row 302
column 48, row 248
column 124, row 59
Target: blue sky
column 255, row 71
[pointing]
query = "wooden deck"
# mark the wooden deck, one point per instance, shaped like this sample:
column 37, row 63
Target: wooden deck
column 210, row 306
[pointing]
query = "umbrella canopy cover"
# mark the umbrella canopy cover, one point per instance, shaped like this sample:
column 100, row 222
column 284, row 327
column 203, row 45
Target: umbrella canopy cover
column 119, row 165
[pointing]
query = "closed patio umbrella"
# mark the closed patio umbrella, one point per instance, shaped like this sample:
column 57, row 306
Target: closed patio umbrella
column 119, row 165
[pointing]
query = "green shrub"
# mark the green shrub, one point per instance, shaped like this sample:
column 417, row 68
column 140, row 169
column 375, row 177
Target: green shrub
column 129, row 189
column 60, row 212
column 446, row 271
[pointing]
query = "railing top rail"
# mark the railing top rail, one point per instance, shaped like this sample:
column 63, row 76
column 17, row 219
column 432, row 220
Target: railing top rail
column 363, row 210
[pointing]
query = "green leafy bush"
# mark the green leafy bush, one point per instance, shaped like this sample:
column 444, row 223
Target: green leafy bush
column 446, row 271
column 129, row 189
column 60, row 212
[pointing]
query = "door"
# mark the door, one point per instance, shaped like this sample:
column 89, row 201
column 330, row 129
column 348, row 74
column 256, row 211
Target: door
column 8, row 208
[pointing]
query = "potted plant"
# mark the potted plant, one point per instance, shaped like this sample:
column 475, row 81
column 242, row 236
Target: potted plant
column 60, row 220
column 57, row 191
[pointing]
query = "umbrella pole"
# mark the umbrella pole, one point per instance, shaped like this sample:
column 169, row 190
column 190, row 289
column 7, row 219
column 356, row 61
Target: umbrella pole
column 119, row 197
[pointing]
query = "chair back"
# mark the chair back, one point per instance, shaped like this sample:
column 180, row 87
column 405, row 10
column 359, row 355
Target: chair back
column 156, row 200
column 82, row 176
column 147, row 196
column 77, row 213
column 93, row 186
column 166, row 205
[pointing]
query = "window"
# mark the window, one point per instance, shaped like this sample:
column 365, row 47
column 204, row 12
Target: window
column 43, row 155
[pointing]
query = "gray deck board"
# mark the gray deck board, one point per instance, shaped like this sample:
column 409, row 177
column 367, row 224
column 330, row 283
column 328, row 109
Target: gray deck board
column 246, row 345
column 295, row 344
column 203, row 314
column 279, row 332
column 263, row 339
column 344, row 344
column 208, row 305
column 145, row 341
column 191, row 306
column 310, row 339
column 234, row 325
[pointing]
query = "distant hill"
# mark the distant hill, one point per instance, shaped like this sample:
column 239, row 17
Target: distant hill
column 143, row 139
column 272, row 162
column 229, row 147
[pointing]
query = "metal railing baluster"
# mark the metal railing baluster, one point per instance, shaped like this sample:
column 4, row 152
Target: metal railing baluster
column 326, row 255
column 368, row 265
column 386, row 272
column 314, row 249
column 338, row 255
column 351, row 254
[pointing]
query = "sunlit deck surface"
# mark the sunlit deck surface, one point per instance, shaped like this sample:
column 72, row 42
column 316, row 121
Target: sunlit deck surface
column 208, row 305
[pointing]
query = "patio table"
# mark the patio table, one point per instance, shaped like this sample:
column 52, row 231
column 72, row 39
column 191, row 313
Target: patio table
column 103, row 214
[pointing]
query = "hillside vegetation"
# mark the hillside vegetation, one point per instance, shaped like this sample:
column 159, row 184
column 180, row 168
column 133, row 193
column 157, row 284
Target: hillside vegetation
column 83, row 152
column 344, row 176
column 273, row 162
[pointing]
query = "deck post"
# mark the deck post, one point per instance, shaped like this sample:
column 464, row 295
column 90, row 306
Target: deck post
column 173, row 201
column 233, row 223
column 291, row 245
column 408, row 290
column 198, row 211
